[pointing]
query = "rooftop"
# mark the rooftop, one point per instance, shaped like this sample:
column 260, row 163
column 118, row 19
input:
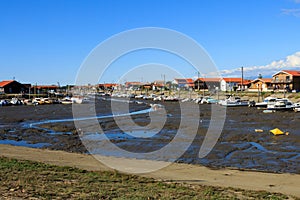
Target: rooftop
column 4, row 83
column 292, row 72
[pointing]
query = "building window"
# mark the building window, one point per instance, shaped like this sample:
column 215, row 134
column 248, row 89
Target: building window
column 287, row 78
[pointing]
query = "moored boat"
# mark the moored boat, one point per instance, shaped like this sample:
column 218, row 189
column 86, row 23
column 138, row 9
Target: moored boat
column 16, row 101
column 28, row 102
column 4, row 102
column 37, row 101
column 296, row 107
column 77, row 100
column 66, row 101
column 171, row 98
column 208, row 100
column 233, row 101
column 281, row 104
column 267, row 101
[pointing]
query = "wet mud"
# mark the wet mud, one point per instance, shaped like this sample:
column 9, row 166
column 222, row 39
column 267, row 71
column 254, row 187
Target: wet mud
column 239, row 146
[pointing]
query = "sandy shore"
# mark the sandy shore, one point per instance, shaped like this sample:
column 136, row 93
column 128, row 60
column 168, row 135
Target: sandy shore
column 193, row 174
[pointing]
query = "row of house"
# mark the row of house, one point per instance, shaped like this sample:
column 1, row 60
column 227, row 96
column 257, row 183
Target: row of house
column 285, row 80
column 15, row 87
column 223, row 84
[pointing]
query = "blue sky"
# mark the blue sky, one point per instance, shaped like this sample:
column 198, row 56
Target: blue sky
column 46, row 41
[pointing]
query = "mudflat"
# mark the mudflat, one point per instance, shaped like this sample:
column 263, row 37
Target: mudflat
column 239, row 146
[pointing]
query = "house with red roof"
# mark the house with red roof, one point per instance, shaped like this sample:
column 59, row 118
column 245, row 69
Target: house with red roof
column 205, row 83
column 183, row 82
column 108, row 86
column 158, row 84
column 223, row 84
column 11, row 87
column 261, row 84
column 286, row 80
column 44, row 89
column 135, row 85
column 233, row 84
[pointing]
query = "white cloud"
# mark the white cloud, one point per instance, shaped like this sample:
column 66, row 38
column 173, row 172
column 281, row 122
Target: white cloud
column 293, row 12
column 290, row 62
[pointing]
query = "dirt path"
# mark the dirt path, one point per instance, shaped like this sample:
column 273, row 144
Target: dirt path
column 284, row 183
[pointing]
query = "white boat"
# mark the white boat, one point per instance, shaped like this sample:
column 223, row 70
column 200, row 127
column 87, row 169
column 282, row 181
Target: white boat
column 156, row 107
column 150, row 97
column 208, row 100
column 139, row 96
column 186, row 100
column 281, row 104
column 77, row 100
column 37, row 101
column 4, row 102
column 16, row 101
column 198, row 100
column 28, row 102
column 296, row 107
column 66, row 101
column 267, row 101
column 158, row 98
column 233, row 101
column 47, row 101
column 171, row 98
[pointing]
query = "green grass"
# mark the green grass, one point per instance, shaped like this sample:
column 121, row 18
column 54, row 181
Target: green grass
column 26, row 179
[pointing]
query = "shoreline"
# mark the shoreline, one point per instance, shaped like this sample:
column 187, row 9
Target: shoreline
column 284, row 183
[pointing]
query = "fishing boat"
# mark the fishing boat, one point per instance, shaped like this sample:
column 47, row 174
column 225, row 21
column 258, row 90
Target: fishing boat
column 267, row 101
column 28, row 102
column 66, row 101
column 208, row 100
column 37, row 101
column 296, row 107
column 47, row 101
column 4, row 102
column 16, row 101
column 141, row 96
column 281, row 104
column 233, row 101
column 171, row 98
column 77, row 100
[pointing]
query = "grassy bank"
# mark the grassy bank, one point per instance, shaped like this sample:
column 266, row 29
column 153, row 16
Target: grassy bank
column 26, row 179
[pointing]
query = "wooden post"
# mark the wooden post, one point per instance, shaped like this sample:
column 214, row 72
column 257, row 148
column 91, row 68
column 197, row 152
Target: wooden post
column 242, row 79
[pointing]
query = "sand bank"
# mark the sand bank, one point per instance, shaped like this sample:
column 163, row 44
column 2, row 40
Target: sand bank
column 193, row 174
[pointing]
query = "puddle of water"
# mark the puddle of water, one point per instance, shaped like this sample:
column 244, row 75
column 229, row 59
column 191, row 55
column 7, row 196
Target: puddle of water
column 24, row 143
column 259, row 147
column 35, row 124
column 101, row 137
column 120, row 135
column 142, row 133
